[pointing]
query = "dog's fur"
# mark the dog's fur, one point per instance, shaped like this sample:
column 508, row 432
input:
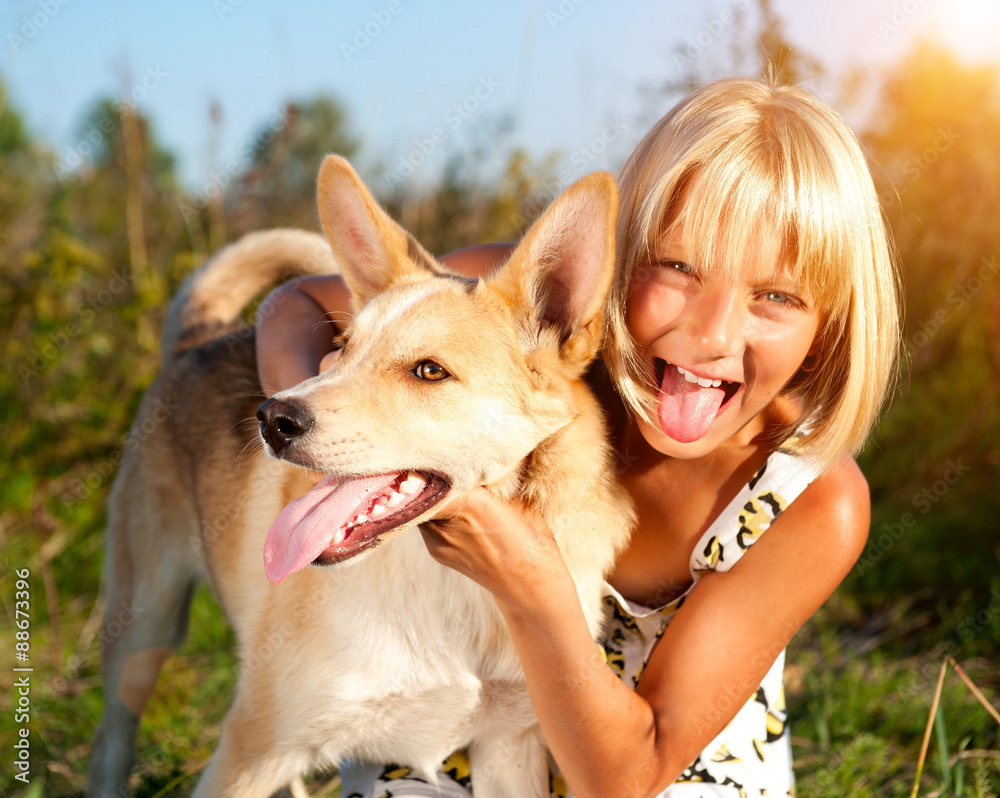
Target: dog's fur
column 389, row 657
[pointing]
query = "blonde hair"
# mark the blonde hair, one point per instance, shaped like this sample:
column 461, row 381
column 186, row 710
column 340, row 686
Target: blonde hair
column 741, row 155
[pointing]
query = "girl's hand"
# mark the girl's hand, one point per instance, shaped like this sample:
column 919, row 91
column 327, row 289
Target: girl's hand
column 504, row 546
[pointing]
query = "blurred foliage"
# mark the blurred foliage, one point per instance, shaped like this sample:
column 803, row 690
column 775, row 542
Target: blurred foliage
column 934, row 464
column 94, row 242
column 13, row 136
column 278, row 186
column 467, row 206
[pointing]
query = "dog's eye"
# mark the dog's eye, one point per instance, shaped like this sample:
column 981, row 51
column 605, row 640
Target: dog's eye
column 430, row 371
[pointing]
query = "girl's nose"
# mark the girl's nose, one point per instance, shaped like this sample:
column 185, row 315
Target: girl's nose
column 716, row 322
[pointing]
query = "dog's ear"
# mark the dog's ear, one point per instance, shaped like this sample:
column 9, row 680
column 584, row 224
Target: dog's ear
column 372, row 250
column 561, row 272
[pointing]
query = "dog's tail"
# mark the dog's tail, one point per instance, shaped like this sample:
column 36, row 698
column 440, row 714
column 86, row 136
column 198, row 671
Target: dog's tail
column 211, row 299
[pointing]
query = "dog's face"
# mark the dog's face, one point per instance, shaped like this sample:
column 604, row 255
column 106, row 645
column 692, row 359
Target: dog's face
column 443, row 383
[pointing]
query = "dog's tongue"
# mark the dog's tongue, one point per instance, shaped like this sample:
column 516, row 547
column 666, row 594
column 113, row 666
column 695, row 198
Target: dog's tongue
column 305, row 528
column 686, row 410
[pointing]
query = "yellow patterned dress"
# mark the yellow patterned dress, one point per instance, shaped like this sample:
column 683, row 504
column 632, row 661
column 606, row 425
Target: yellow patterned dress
column 751, row 757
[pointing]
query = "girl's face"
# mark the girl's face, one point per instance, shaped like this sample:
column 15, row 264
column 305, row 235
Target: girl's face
column 719, row 347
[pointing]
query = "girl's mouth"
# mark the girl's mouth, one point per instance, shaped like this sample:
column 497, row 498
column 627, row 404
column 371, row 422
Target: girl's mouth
column 688, row 404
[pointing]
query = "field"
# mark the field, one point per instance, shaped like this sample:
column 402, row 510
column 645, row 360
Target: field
column 91, row 255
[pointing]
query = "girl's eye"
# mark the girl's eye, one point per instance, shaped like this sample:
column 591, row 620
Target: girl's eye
column 783, row 298
column 676, row 265
column 430, row 371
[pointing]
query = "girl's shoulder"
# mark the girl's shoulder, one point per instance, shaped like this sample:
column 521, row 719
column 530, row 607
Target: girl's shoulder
column 836, row 498
column 841, row 496
column 788, row 487
column 827, row 523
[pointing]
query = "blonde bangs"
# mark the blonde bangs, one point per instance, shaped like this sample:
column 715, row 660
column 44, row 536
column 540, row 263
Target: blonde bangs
column 748, row 190
column 740, row 158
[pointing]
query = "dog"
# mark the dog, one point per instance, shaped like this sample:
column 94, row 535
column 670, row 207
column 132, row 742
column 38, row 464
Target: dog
column 353, row 640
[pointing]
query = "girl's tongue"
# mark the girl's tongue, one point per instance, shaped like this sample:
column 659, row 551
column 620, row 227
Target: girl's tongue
column 686, row 410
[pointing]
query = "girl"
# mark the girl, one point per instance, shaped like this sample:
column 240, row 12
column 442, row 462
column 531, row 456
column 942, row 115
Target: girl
column 752, row 334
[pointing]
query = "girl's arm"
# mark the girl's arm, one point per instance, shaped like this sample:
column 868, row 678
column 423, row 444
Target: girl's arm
column 296, row 325
column 709, row 662
column 297, row 322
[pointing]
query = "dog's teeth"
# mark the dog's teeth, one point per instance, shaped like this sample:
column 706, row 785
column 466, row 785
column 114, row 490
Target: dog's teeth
column 395, row 499
column 362, row 519
column 340, row 535
column 378, row 511
column 413, row 483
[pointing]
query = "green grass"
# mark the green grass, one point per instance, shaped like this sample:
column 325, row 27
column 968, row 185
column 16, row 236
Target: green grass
column 180, row 725
column 857, row 719
column 860, row 681
column 858, row 716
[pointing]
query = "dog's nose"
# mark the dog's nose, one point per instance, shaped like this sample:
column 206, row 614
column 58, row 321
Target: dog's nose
column 282, row 421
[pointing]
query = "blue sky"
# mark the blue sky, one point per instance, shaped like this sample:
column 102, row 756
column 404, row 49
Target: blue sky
column 577, row 76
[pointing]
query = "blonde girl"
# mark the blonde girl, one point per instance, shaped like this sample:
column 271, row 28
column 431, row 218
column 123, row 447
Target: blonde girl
column 753, row 333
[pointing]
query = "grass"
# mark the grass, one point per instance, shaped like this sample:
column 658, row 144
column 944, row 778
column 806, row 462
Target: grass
column 860, row 683
column 858, row 716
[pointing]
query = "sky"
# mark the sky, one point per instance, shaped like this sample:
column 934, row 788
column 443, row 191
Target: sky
column 422, row 79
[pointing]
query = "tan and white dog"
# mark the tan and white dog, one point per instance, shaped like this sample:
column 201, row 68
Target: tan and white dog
column 443, row 384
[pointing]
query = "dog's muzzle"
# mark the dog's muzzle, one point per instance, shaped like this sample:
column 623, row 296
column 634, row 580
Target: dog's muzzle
column 281, row 422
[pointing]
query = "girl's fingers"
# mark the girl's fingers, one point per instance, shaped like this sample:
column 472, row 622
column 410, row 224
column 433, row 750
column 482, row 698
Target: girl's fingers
column 497, row 543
